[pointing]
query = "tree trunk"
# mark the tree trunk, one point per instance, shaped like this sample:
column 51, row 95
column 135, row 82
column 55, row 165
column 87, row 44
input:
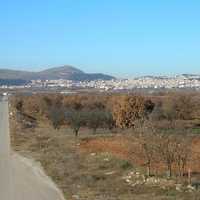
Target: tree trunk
column 169, row 170
column 76, row 132
column 94, row 130
column 149, row 170
column 189, row 177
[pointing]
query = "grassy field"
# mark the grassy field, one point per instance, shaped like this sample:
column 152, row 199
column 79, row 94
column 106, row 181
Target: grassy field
column 91, row 167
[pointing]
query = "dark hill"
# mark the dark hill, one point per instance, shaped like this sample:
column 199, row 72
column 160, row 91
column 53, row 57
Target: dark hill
column 63, row 72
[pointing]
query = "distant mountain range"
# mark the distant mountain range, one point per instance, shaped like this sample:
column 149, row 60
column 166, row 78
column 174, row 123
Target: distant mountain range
column 64, row 72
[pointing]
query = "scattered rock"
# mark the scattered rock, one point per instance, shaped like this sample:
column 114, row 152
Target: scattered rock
column 110, row 173
column 179, row 187
column 75, row 197
column 190, row 188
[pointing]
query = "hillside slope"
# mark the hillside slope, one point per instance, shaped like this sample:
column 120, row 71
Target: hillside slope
column 63, row 72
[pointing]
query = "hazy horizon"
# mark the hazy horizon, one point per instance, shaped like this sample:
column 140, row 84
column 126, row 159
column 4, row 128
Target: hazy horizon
column 123, row 39
column 116, row 76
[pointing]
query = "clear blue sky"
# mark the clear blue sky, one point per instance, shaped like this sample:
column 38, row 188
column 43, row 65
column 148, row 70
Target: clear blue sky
column 120, row 37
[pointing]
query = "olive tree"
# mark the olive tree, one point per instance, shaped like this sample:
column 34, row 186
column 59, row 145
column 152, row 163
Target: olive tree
column 75, row 119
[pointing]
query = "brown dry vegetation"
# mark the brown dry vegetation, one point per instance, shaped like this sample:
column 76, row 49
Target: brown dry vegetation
column 89, row 169
column 129, row 148
column 93, row 166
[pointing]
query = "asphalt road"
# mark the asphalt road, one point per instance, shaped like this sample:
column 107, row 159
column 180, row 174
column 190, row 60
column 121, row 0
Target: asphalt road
column 6, row 188
column 21, row 178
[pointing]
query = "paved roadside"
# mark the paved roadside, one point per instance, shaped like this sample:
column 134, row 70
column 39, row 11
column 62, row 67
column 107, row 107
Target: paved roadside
column 21, row 178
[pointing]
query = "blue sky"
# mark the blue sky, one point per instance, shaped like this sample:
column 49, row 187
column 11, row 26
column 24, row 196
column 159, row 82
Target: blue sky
column 123, row 38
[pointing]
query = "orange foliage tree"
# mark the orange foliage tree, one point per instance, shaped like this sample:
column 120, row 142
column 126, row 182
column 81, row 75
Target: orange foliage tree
column 127, row 109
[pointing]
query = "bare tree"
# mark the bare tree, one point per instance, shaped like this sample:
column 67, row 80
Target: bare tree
column 175, row 150
column 167, row 148
column 147, row 139
column 183, row 153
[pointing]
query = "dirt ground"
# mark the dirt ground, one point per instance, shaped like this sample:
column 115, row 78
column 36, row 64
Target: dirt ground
column 91, row 167
column 127, row 147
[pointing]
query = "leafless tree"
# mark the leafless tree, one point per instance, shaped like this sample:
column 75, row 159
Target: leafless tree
column 167, row 147
column 146, row 135
column 183, row 153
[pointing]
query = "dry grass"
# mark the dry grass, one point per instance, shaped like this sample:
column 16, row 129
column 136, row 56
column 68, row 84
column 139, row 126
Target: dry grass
column 88, row 168
column 127, row 147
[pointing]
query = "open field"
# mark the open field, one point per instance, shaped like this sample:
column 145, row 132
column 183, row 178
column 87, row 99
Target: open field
column 90, row 167
column 119, row 147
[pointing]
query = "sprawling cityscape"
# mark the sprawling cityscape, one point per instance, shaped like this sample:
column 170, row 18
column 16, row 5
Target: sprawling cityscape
column 146, row 82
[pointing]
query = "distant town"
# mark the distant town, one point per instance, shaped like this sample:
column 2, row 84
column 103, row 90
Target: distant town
column 146, row 82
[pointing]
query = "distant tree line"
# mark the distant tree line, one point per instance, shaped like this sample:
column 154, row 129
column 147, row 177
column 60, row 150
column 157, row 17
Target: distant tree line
column 92, row 111
column 10, row 82
column 107, row 111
